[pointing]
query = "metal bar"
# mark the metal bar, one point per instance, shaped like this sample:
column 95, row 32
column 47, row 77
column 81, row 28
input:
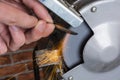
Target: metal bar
column 62, row 28
column 67, row 14
column 35, row 66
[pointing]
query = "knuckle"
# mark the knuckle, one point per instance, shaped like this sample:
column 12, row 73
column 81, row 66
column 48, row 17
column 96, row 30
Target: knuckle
column 12, row 21
column 32, row 21
column 46, row 34
column 3, row 51
column 34, row 35
column 20, row 42
column 13, row 49
column 35, row 38
column 17, row 44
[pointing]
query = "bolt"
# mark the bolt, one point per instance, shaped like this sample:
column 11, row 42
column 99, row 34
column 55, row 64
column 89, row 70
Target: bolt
column 70, row 78
column 94, row 9
column 42, row 0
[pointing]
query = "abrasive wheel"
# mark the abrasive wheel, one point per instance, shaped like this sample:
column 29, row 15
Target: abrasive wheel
column 94, row 54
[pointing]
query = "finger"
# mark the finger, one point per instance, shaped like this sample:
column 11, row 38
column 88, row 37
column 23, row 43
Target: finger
column 3, row 47
column 39, row 10
column 15, row 17
column 18, row 38
column 36, row 33
column 5, row 34
column 16, row 4
column 49, row 29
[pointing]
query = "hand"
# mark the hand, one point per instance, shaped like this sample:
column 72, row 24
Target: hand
column 18, row 27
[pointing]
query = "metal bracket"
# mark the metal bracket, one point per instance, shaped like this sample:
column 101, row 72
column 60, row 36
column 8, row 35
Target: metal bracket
column 67, row 14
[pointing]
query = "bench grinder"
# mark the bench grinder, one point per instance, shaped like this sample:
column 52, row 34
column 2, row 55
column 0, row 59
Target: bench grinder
column 97, row 44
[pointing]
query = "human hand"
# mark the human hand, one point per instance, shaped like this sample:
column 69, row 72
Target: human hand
column 17, row 27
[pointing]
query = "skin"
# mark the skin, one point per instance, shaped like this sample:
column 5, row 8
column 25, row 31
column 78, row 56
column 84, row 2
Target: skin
column 18, row 27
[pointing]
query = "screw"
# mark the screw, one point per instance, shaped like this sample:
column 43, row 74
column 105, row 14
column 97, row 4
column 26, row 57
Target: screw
column 42, row 0
column 94, row 9
column 70, row 78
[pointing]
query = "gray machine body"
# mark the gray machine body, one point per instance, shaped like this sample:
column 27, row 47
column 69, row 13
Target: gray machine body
column 97, row 43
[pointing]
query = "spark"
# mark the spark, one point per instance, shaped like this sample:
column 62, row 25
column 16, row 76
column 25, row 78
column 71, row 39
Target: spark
column 54, row 58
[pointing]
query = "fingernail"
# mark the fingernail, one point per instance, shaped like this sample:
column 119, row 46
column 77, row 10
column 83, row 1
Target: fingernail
column 14, row 28
column 49, row 19
column 41, row 26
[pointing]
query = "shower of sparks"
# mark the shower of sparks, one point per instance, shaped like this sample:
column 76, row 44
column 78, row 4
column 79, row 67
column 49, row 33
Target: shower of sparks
column 48, row 58
column 54, row 58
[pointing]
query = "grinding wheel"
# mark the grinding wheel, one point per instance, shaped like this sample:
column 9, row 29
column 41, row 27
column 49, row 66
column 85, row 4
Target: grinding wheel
column 97, row 45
